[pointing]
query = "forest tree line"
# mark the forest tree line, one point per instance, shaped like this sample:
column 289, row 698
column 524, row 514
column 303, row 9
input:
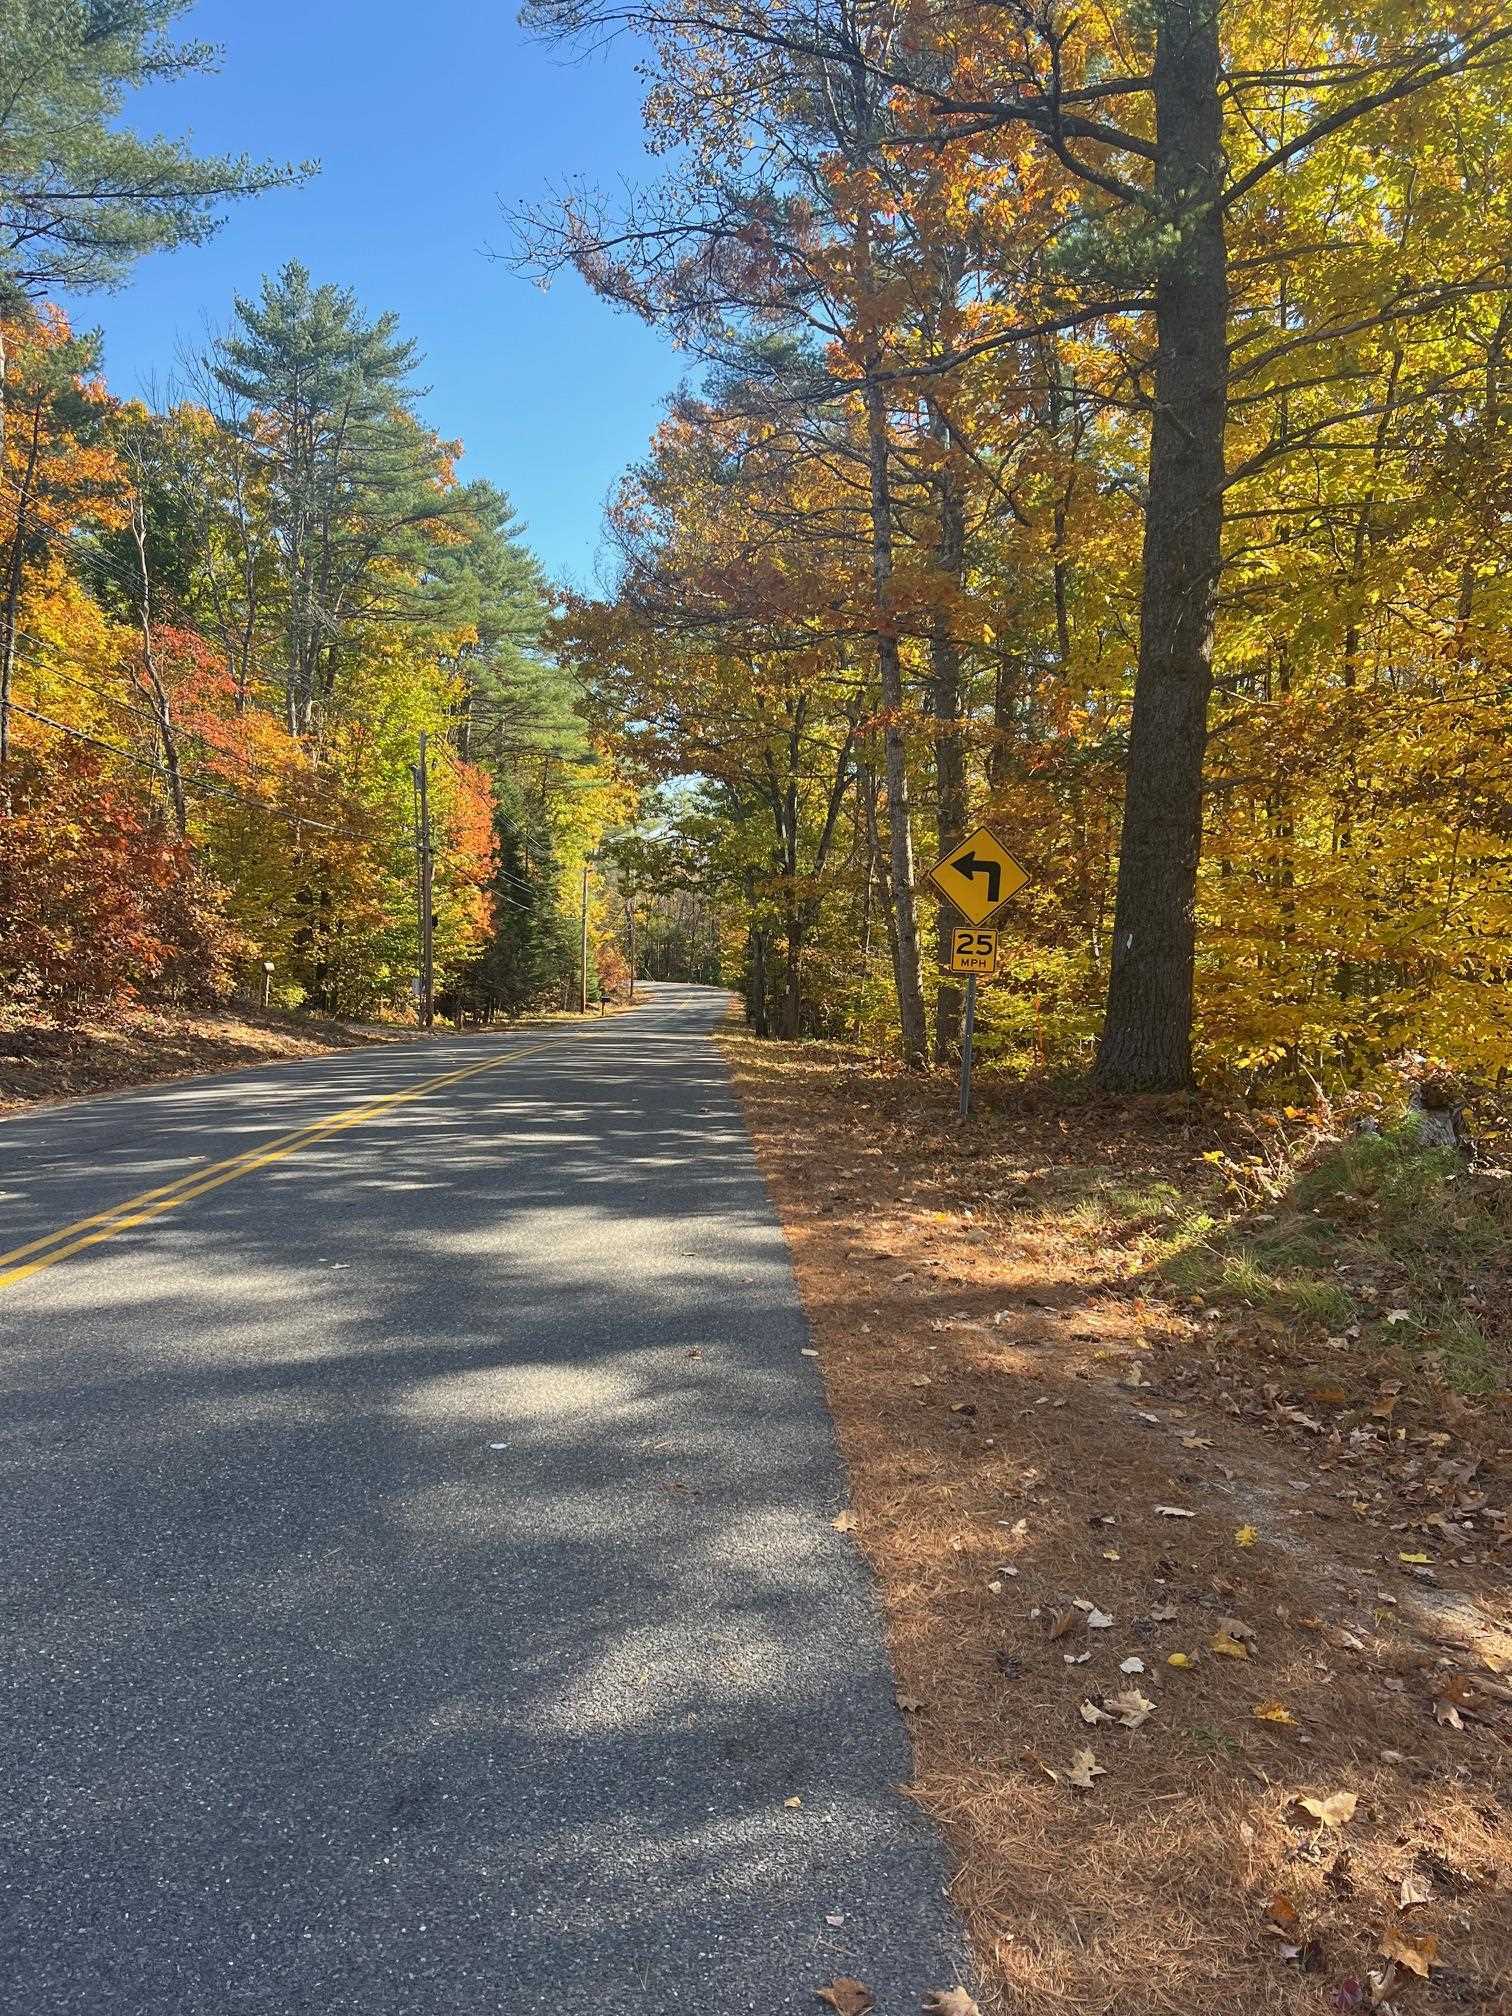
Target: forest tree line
column 229, row 629
column 239, row 622
column 1102, row 429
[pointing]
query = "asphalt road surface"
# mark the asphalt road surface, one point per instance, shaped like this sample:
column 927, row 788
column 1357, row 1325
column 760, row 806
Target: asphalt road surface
column 420, row 1590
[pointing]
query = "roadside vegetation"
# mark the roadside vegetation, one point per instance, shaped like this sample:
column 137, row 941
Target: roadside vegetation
column 238, row 624
column 1101, row 431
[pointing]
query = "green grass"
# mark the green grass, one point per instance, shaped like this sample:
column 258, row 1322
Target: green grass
column 1102, row 1204
column 1207, row 1741
column 1387, row 1211
column 1470, row 1360
column 1247, row 1275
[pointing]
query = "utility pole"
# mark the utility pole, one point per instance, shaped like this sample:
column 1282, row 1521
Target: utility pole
column 630, row 908
column 583, row 960
column 427, row 921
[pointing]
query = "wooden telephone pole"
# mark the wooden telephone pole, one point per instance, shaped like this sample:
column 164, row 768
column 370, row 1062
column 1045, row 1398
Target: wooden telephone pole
column 583, row 958
column 427, row 881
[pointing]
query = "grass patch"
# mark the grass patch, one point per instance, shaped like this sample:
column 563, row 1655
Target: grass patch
column 1106, row 1207
column 1247, row 1275
column 1377, row 1224
column 1470, row 1359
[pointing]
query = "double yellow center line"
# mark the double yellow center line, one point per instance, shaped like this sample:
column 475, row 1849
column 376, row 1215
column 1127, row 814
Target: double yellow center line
column 23, row 1261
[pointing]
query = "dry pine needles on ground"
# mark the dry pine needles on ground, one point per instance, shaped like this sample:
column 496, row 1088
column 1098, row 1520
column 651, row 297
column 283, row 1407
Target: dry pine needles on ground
column 1203, row 1634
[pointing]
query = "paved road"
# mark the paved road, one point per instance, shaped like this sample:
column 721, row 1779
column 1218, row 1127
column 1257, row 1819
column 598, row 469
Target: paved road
column 420, row 1587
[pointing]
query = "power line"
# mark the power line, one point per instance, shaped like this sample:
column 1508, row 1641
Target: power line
column 505, row 874
column 211, row 789
column 130, row 584
column 126, row 579
column 188, row 731
column 191, row 733
column 53, row 667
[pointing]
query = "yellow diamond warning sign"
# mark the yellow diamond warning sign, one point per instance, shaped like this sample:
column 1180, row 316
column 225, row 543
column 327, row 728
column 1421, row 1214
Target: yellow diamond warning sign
column 979, row 876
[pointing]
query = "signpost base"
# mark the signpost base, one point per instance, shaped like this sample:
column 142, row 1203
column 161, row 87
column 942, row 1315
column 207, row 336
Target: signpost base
column 968, row 1029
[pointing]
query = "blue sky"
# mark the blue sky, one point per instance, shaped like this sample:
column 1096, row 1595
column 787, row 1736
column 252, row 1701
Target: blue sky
column 423, row 119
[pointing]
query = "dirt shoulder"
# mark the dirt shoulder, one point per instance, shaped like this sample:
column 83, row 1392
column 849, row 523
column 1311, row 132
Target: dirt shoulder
column 1185, row 1474
column 41, row 1063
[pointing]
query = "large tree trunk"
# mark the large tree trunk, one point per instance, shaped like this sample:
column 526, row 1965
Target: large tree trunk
column 756, row 986
column 948, row 698
column 915, row 1035
column 1147, row 1039
column 11, row 616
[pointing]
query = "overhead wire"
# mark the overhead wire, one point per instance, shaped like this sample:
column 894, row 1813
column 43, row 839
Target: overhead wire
column 127, row 580
column 144, row 715
column 189, row 731
column 202, row 784
column 506, row 874
column 129, row 583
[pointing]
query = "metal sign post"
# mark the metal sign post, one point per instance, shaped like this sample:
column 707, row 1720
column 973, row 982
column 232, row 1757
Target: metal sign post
column 968, row 1030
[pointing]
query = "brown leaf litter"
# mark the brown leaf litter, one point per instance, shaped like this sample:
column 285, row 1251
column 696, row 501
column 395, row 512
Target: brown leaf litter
column 1344, row 1749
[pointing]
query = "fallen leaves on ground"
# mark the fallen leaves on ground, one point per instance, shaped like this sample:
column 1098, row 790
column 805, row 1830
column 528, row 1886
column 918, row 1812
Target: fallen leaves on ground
column 1149, row 1897
column 950, row 2002
column 1084, row 1768
column 133, row 1045
column 1132, row 1708
column 1419, row 1956
column 1449, row 1697
column 1337, row 1810
column 1415, row 1889
column 844, row 1522
column 1281, row 1915
column 847, row 1995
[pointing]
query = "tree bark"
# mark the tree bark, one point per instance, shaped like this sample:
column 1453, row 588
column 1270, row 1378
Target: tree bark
column 1147, row 1038
column 948, row 697
column 877, row 869
column 756, row 1004
column 157, row 692
column 12, row 607
column 792, row 981
column 915, row 1035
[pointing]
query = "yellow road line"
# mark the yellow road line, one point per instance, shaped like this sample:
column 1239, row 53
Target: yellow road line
column 16, row 1266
